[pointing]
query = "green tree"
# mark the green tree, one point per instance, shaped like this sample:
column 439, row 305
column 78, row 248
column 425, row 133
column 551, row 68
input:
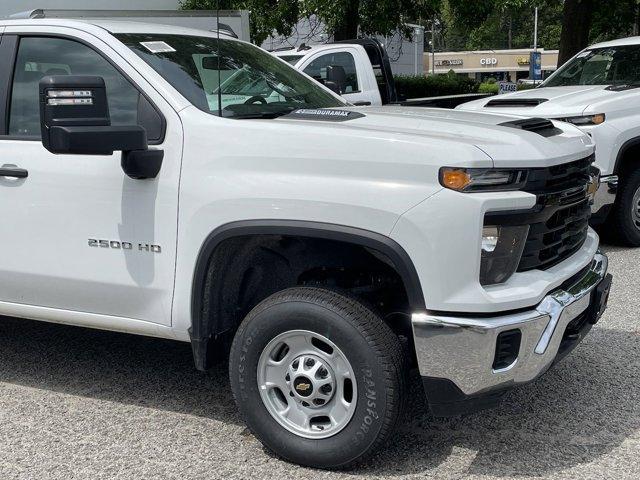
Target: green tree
column 614, row 20
column 569, row 25
column 344, row 18
column 347, row 18
column 506, row 23
column 576, row 24
column 266, row 16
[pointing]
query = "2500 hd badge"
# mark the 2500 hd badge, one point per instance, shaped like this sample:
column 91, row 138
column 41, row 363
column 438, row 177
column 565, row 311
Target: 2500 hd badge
column 118, row 245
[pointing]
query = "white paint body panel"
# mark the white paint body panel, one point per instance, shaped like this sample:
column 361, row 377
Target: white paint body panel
column 444, row 235
column 68, row 199
column 378, row 173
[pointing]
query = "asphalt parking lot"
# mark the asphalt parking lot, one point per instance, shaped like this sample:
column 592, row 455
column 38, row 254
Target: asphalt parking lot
column 83, row 404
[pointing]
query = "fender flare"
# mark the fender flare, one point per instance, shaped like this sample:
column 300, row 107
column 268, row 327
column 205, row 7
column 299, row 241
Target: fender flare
column 632, row 142
column 199, row 332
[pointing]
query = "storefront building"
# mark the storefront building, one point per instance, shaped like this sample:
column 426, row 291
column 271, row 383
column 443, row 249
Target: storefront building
column 503, row 65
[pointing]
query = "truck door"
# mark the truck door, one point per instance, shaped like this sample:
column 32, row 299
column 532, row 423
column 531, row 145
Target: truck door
column 77, row 234
column 349, row 69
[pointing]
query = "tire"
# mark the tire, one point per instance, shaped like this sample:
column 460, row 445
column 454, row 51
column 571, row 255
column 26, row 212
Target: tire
column 336, row 324
column 623, row 220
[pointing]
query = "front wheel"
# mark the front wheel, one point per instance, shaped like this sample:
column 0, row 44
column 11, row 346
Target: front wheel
column 318, row 377
column 625, row 216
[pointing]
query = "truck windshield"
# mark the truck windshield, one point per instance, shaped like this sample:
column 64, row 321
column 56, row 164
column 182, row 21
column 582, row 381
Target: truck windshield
column 249, row 82
column 618, row 66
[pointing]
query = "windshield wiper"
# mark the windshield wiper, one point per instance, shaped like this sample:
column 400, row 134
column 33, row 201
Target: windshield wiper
column 619, row 87
column 265, row 115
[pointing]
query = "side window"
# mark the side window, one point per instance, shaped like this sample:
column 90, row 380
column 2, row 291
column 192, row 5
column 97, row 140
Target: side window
column 337, row 67
column 40, row 56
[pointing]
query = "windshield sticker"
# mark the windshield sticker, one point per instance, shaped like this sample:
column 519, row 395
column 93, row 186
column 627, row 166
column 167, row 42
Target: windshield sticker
column 324, row 114
column 158, row 47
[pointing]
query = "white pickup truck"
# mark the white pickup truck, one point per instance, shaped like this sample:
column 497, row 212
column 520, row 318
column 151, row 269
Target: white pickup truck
column 329, row 247
column 598, row 90
column 360, row 71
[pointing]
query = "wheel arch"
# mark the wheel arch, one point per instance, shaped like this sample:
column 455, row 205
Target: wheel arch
column 632, row 143
column 202, row 330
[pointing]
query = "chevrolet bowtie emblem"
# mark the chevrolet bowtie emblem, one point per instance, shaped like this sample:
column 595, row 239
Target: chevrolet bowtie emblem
column 303, row 387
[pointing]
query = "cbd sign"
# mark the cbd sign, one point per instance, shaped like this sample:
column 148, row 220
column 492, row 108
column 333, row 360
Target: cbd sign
column 488, row 61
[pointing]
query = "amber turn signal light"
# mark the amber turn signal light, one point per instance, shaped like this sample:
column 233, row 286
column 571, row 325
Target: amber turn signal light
column 455, row 179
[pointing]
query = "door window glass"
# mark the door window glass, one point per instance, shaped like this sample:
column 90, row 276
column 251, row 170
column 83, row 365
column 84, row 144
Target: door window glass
column 39, row 57
column 339, row 67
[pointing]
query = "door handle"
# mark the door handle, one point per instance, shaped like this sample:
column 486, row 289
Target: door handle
column 13, row 172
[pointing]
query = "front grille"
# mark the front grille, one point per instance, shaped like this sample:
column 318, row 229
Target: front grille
column 559, row 223
column 565, row 208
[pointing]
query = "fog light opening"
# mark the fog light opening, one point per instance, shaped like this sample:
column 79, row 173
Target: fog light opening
column 501, row 250
column 507, row 349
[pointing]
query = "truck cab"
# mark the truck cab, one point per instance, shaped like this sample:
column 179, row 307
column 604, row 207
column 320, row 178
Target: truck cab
column 359, row 70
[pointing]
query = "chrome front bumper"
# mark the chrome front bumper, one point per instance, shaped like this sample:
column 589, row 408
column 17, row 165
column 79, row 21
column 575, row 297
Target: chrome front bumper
column 461, row 350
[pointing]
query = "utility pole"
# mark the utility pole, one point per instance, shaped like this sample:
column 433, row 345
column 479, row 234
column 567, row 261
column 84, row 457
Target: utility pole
column 535, row 31
column 535, row 44
column 417, row 31
column 433, row 45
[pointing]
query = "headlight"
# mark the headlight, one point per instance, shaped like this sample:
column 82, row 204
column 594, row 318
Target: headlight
column 501, row 252
column 482, row 179
column 585, row 121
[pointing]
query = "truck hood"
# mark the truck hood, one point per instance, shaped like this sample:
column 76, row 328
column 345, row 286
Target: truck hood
column 443, row 132
column 553, row 101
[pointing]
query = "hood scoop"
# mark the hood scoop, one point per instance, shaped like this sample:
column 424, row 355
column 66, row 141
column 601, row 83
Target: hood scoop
column 541, row 126
column 515, row 102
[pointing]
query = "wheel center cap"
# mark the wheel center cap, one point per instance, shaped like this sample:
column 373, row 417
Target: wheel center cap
column 303, row 386
column 311, row 381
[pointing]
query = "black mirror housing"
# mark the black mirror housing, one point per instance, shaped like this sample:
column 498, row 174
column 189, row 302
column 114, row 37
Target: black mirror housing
column 74, row 118
column 90, row 140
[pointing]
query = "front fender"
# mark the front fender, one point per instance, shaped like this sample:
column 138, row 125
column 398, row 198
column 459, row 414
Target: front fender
column 202, row 329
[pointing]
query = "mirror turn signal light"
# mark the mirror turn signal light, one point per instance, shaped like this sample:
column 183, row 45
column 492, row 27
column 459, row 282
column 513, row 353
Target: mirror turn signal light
column 69, row 97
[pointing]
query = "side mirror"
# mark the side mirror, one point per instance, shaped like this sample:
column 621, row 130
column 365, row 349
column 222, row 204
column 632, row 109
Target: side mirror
column 216, row 63
column 74, row 119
